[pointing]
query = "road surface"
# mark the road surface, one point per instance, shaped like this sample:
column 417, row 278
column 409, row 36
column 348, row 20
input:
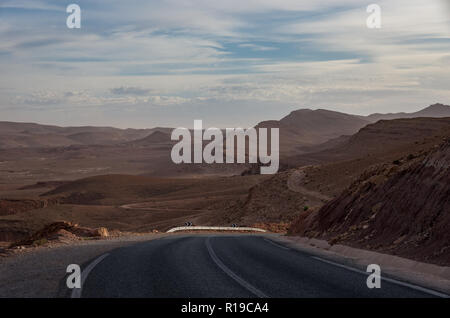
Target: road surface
column 227, row 266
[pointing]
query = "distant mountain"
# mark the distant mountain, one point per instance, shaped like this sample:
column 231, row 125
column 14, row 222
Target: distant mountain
column 156, row 137
column 374, row 140
column 306, row 130
column 435, row 110
column 26, row 140
column 306, row 127
column 385, row 135
column 98, row 137
column 300, row 131
column 30, row 135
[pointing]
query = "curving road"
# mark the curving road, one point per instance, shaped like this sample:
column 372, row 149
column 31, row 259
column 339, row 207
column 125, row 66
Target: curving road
column 227, row 266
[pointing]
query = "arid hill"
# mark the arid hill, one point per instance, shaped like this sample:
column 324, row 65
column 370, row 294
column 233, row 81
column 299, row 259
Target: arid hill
column 116, row 189
column 310, row 185
column 307, row 127
column 435, row 110
column 156, row 137
column 399, row 208
column 9, row 207
column 13, row 135
column 306, row 131
column 380, row 139
column 98, row 137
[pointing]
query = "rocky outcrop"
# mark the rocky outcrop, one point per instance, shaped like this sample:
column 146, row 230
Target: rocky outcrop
column 400, row 208
column 61, row 231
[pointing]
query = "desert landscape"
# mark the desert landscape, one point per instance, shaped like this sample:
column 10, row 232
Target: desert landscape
column 225, row 156
column 378, row 182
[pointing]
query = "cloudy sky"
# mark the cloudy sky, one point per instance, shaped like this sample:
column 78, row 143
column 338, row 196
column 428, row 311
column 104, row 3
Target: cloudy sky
column 231, row 63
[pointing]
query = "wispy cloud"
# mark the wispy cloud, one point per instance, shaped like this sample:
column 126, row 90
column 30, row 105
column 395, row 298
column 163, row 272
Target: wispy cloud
column 130, row 91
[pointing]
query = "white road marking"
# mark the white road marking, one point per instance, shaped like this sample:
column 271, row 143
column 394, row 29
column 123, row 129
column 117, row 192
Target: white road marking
column 76, row 292
column 277, row 245
column 230, row 273
column 394, row 281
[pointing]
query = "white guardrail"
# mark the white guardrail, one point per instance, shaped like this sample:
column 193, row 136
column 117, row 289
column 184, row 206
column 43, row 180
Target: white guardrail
column 214, row 228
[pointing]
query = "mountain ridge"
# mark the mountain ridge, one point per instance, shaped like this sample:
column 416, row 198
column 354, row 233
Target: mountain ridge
column 299, row 130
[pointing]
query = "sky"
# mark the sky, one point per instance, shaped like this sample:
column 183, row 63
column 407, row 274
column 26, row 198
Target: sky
column 230, row 63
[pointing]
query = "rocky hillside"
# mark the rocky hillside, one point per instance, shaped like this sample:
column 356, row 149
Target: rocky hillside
column 379, row 141
column 400, row 208
column 60, row 232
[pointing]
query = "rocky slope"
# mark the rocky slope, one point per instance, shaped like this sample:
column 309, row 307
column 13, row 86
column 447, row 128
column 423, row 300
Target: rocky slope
column 62, row 232
column 275, row 200
column 400, row 208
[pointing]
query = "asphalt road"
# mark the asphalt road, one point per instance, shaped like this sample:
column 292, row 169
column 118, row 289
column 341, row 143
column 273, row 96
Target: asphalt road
column 226, row 266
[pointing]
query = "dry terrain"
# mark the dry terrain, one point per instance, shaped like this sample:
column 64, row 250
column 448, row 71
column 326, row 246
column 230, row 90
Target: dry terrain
column 400, row 208
column 124, row 180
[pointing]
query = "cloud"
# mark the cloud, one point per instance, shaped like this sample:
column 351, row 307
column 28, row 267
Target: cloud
column 130, row 91
column 38, row 43
column 30, row 5
column 257, row 47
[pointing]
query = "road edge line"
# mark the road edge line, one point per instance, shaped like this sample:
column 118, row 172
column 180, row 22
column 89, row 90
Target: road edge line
column 276, row 244
column 391, row 280
column 230, row 273
column 76, row 292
